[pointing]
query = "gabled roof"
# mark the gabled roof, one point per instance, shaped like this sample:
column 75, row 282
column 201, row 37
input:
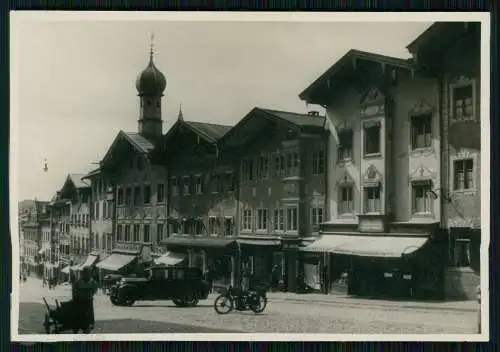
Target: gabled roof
column 78, row 181
column 92, row 173
column 210, row 131
column 141, row 143
column 297, row 118
column 292, row 120
column 348, row 60
column 440, row 36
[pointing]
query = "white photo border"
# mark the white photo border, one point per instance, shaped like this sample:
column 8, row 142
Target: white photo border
column 17, row 18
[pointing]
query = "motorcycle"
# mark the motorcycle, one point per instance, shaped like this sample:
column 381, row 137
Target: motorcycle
column 235, row 298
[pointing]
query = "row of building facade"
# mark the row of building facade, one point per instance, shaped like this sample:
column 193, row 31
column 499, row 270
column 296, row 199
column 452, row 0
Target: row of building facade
column 379, row 196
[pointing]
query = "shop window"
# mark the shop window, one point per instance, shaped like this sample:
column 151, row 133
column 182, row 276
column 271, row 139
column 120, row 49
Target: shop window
column 463, row 102
column 174, row 182
column 160, row 193
column 147, row 194
column 463, row 174
column 372, row 139
column 346, row 200
column 279, row 220
column 316, row 216
column 147, row 234
column 136, row 233
column 159, row 232
column 372, row 199
column 461, row 253
column 421, row 197
column 261, row 219
column 421, row 131
column 247, row 219
column 345, row 145
column 291, row 219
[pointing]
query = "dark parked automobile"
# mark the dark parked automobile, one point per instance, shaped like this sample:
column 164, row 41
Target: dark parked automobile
column 183, row 285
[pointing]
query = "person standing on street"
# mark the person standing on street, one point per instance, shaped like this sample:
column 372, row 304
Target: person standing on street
column 83, row 292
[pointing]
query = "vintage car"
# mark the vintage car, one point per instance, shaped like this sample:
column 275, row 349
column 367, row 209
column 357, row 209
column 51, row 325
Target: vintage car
column 183, row 285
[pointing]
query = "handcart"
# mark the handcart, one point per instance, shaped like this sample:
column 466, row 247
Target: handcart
column 62, row 318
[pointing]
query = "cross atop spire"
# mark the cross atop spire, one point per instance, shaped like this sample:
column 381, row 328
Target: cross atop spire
column 180, row 117
column 152, row 46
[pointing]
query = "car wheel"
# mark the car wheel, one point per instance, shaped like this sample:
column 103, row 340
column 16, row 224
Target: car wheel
column 126, row 299
column 179, row 302
column 191, row 302
column 114, row 300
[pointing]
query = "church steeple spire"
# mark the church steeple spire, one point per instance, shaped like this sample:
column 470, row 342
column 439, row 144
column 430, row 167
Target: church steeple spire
column 150, row 85
column 151, row 47
column 181, row 116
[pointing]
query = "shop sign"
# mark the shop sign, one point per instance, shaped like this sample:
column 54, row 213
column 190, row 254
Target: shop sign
column 290, row 246
column 128, row 246
column 159, row 250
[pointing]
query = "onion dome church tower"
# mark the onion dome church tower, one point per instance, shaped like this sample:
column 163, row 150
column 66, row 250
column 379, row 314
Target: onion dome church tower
column 150, row 84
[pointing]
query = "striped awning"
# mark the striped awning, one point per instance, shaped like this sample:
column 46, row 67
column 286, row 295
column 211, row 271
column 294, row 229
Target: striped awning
column 386, row 246
column 381, row 246
column 327, row 243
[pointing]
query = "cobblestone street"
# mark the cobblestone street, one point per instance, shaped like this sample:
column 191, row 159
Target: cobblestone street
column 281, row 316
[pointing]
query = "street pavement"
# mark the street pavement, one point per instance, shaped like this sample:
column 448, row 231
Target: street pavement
column 285, row 313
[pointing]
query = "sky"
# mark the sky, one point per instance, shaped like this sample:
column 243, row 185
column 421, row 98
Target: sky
column 75, row 80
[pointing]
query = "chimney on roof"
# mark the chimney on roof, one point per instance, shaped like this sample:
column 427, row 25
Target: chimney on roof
column 313, row 113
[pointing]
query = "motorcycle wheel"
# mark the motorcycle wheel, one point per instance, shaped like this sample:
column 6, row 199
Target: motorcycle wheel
column 257, row 303
column 223, row 304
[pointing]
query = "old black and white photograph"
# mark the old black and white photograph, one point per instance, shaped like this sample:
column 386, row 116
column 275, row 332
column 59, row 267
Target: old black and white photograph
column 228, row 176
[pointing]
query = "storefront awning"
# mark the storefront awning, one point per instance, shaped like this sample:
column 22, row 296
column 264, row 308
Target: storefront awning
column 44, row 249
column 67, row 268
column 91, row 260
column 327, row 243
column 116, row 261
column 259, row 242
column 190, row 241
column 170, row 258
column 380, row 246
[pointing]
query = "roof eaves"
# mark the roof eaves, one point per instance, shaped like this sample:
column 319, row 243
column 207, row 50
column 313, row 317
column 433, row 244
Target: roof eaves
column 200, row 132
column 350, row 56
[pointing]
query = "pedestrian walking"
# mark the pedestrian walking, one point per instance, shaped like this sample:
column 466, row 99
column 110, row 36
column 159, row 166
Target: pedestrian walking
column 83, row 292
column 275, row 278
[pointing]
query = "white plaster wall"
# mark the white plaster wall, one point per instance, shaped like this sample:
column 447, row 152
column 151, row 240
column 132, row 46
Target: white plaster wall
column 407, row 96
column 344, row 114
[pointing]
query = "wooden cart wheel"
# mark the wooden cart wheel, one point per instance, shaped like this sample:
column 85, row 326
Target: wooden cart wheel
column 46, row 324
